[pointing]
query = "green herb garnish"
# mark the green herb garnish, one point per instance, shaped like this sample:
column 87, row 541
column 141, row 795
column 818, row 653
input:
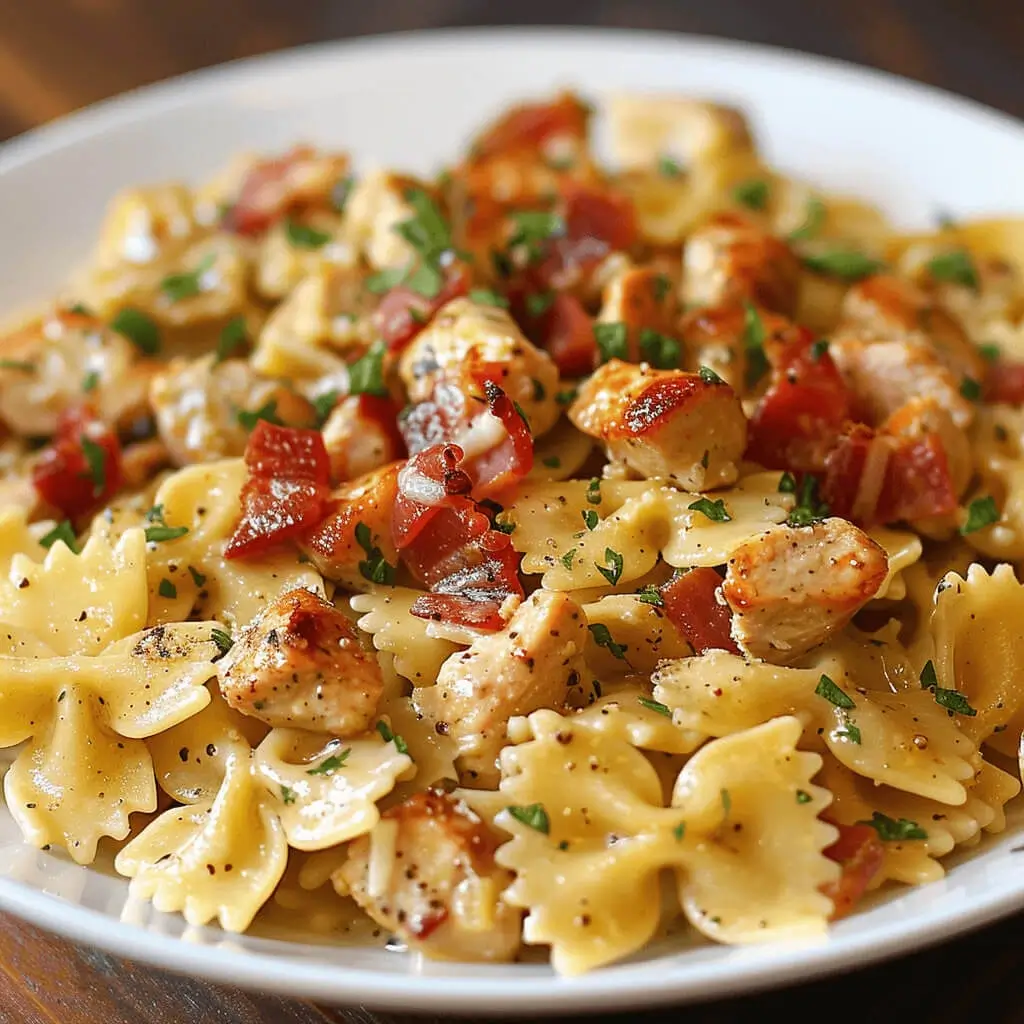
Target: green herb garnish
column 139, row 329
column 389, row 737
column 234, row 335
column 714, row 510
column 603, row 638
column 329, row 765
column 656, row 706
column 833, row 694
column 814, row 217
column 302, row 236
column 753, row 194
column 167, row 589
column 62, row 531
column 177, row 287
column 96, row 460
column 248, row 419
column 611, row 341
column 847, row 264
column 612, row 572
column 897, row 831
column 956, row 266
column 532, row 815
column 660, row 350
column 650, row 594
column 709, row 376
column 981, row 512
column 374, row 567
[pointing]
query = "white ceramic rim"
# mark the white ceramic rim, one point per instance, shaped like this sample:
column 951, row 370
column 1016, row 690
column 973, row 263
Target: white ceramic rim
column 627, row 986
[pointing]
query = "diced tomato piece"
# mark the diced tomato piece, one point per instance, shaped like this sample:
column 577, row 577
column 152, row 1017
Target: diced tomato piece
column 81, row 469
column 692, row 606
column 286, row 490
column 876, row 478
column 1005, row 382
column 566, row 331
column 403, row 313
column 796, row 422
column 861, row 854
column 525, row 129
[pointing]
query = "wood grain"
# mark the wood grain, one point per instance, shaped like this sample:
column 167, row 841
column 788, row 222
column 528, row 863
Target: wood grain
column 58, row 55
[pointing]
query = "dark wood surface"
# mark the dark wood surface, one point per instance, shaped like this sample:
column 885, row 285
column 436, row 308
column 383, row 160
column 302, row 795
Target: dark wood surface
column 57, row 55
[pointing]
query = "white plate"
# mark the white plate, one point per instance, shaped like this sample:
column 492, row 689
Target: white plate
column 410, row 100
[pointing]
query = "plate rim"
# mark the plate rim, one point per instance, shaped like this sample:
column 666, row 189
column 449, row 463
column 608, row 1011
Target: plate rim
column 626, row 986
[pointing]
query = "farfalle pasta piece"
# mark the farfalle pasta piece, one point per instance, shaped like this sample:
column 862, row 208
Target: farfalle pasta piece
column 902, row 550
column 641, row 636
column 997, row 444
column 384, row 614
column 873, row 731
column 17, row 538
column 976, row 628
column 591, row 837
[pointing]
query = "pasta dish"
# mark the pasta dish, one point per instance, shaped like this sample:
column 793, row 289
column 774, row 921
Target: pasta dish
column 543, row 554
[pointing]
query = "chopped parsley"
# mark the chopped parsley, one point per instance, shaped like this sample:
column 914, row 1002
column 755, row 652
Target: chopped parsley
column 656, row 706
column 366, row 374
column 981, row 512
column 954, row 702
column 532, row 815
column 233, row 336
column 753, row 194
column 522, row 414
column 167, row 589
column 341, row 191
column 660, row 350
column 990, row 352
column 329, row 765
column 661, row 286
column 929, row 679
column 533, row 228
column 612, row 572
column 611, row 341
column 96, row 461
column 389, row 737
column 21, row 365
column 709, row 376
column 566, row 397
column 504, row 527
column 385, row 280
column 538, row 303
column 590, row 518
column 90, row 381
column 160, row 531
column 669, row 167
column 568, row 557
column 814, row 217
column 850, row 731
column 197, row 577
column 787, row 483
column 324, row 405
column 753, row 345
column 679, row 831
column 818, row 349
column 187, row 285
column 802, row 796
column 808, row 508
column 539, row 394
column 302, row 236
column 223, row 640
column 897, row 831
column 552, row 462
column 726, row 799
column 139, row 329
column 486, row 297
column 62, row 531
column 603, row 638
column 970, row 389
column 833, row 694
column 429, row 235
column 248, row 418
column 650, row 594
column 374, row 567
column 956, row 267
column 287, row 794
column 594, row 491
column 714, row 510
column 847, row 264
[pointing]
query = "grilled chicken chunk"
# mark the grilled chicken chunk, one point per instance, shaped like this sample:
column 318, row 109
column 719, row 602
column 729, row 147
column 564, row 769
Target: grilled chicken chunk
column 300, row 664
column 791, row 588
column 427, row 874
column 664, row 423
column 535, row 662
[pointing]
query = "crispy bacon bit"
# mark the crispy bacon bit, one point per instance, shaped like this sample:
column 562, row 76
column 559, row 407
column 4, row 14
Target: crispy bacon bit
column 403, row 313
column 65, row 478
column 693, row 607
column 564, row 330
column 1005, row 382
column 861, row 854
column 447, row 543
column 525, row 130
column 797, row 421
column 871, row 477
column 286, row 491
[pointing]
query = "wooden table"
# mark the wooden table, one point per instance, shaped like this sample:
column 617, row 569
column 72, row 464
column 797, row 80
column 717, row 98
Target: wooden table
column 56, row 55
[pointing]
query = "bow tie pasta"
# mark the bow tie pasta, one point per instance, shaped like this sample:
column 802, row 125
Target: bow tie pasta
column 555, row 553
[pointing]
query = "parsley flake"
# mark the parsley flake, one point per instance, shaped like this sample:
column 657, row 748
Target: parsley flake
column 234, row 335
column 568, row 557
column 594, row 491
column 486, row 297
column 287, row 794
column 990, row 352
column 552, row 462
column 532, row 815
column 566, row 397
column 650, row 594
column 187, row 285
column 808, row 509
column 818, row 349
column 709, row 376
column 726, row 802
column 850, row 731
column 661, row 285
column 612, row 572
column 590, row 518
column 96, row 460
column 538, row 303
column 929, row 679
column 64, row 532
column 167, row 589
column 956, row 266
column 385, row 280
column 660, row 350
column 713, row 510
column 20, row 365
column 324, row 405
column 366, row 374
column 833, row 694
column 846, row 264
column 802, row 796
column 139, row 329
column 302, row 236
column 655, row 706
column 669, row 167
column 374, row 567
column 753, row 345
column 603, row 638
column 248, row 418
column 752, row 194
column 894, row 831
column 787, row 483
column 954, row 702
column 970, row 389
column 329, row 765
column 223, row 640
column 341, row 191
column 389, row 737
column 197, row 577
column 533, row 228
column 160, row 531
column 90, row 381
column 814, row 217
column 981, row 512
column 611, row 341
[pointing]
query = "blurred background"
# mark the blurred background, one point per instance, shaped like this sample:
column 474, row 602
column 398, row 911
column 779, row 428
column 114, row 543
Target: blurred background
column 56, row 55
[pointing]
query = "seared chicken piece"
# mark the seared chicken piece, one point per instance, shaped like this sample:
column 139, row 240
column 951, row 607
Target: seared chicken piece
column 464, row 337
column 664, row 423
column 644, row 301
column 729, row 259
column 333, row 546
column 197, row 405
column 535, row 662
column 922, row 416
column 791, row 588
column 360, row 437
column 63, row 360
column 884, row 308
column 299, row 664
column 426, row 873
